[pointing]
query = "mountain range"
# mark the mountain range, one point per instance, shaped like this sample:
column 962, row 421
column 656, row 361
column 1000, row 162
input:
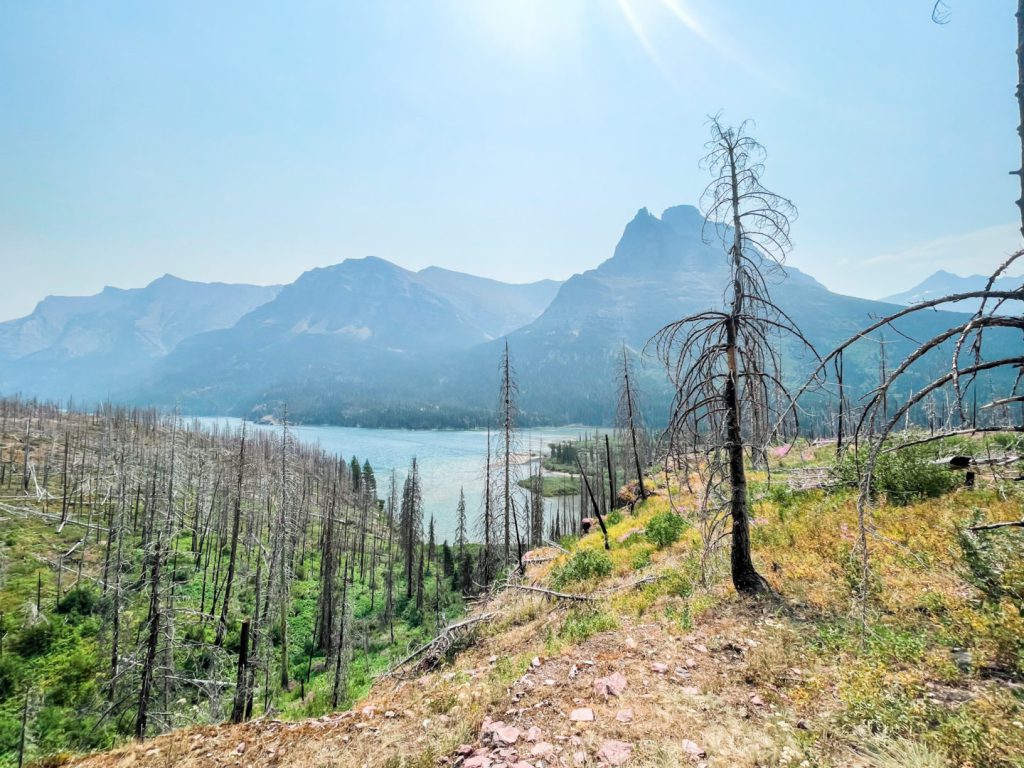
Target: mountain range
column 366, row 342
column 944, row 283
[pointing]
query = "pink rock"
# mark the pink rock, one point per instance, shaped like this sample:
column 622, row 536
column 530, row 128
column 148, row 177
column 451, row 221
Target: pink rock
column 481, row 761
column 533, row 733
column 464, row 749
column 700, row 648
column 522, row 764
column 582, row 715
column 756, row 700
column 658, row 668
column 625, row 716
column 613, row 685
column 490, row 726
column 691, row 748
column 369, row 711
column 509, row 734
column 690, row 663
column 542, row 749
column 536, row 661
column 614, row 752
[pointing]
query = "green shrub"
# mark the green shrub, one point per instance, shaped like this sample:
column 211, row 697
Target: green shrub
column 79, row 602
column 614, row 518
column 33, row 639
column 10, row 675
column 582, row 623
column 992, row 562
column 585, row 564
column 902, row 476
column 664, row 529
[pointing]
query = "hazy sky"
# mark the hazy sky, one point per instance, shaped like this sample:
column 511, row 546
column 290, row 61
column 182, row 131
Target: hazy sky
column 252, row 141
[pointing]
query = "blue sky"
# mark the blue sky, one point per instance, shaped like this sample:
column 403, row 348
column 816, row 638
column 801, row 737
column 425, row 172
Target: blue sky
column 511, row 138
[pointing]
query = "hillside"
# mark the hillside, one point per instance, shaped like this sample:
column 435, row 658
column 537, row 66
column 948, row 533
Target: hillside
column 943, row 283
column 89, row 346
column 648, row 659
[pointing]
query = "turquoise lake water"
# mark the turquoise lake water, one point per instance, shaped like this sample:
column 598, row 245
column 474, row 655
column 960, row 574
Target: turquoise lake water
column 448, row 460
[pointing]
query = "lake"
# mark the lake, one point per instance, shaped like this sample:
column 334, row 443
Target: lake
column 448, row 460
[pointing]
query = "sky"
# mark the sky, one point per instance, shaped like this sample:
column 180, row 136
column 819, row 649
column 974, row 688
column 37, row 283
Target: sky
column 251, row 141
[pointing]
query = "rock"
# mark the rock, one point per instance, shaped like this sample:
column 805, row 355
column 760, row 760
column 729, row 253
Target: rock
column 522, row 764
column 700, row 648
column 549, row 681
column 625, row 716
column 533, row 733
column 658, row 668
column 756, row 700
column 542, row 749
column 690, row 690
column 240, row 749
column 489, row 726
column 631, row 643
column 614, row 752
column 582, row 715
column 579, row 758
column 463, row 750
column 690, row 663
column 369, row 711
column 536, row 661
column 613, row 685
column 691, row 748
column 389, row 714
column 492, row 660
column 508, row 734
column 480, row 761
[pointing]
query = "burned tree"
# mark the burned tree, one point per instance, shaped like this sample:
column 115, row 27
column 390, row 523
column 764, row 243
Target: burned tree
column 724, row 363
column 631, row 421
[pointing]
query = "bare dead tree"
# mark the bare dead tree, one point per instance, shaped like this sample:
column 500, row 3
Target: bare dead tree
column 631, row 421
column 725, row 363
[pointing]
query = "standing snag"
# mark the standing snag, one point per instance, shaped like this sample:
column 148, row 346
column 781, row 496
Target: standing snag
column 725, row 363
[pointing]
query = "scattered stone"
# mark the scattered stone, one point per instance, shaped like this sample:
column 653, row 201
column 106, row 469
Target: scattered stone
column 549, row 681
column 690, row 690
column 542, row 749
column 390, row 714
column 533, row 733
column 631, row 643
column 614, row 752
column 658, row 668
column 582, row 715
column 522, row 764
column 464, row 750
column 573, row 671
column 756, row 700
column 240, row 749
column 508, row 734
column 536, row 661
column 625, row 716
column 480, row 761
column 613, row 685
column 700, row 648
column 691, row 748
column 690, row 663
column 369, row 711
column 492, row 659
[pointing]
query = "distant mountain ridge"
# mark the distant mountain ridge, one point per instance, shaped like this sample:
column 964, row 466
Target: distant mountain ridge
column 943, row 283
column 366, row 342
column 84, row 345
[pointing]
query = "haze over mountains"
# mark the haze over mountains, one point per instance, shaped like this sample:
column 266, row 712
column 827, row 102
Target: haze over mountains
column 944, row 283
column 367, row 342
